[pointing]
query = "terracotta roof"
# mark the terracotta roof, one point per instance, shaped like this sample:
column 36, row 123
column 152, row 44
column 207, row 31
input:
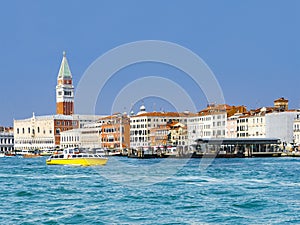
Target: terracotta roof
column 221, row 108
column 164, row 114
column 282, row 99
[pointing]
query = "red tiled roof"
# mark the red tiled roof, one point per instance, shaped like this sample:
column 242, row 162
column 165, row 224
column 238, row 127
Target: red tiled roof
column 282, row 99
column 164, row 114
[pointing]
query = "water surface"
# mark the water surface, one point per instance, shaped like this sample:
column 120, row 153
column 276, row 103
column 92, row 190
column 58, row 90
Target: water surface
column 229, row 191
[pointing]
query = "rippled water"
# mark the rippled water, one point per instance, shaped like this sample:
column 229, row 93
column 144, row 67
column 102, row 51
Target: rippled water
column 164, row 191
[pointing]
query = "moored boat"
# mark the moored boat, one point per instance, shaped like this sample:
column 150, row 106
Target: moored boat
column 31, row 155
column 73, row 157
column 9, row 154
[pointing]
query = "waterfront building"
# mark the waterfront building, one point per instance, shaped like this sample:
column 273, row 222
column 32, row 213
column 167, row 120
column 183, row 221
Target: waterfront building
column 296, row 131
column 242, row 126
column 87, row 136
column 6, row 139
column 257, row 120
column 64, row 89
column 115, row 131
column 91, row 136
column 233, row 114
column 142, row 123
column 252, row 124
column 71, row 138
column 102, row 133
column 159, row 135
column 214, row 119
column 41, row 132
column 212, row 122
column 257, row 123
column 281, row 125
column 178, row 134
column 231, row 127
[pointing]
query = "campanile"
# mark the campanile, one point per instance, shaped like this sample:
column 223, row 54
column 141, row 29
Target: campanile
column 64, row 89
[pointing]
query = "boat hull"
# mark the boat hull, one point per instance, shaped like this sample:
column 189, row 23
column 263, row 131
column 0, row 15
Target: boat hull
column 31, row 156
column 78, row 161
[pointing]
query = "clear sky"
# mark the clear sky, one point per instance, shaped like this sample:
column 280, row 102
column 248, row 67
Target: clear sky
column 253, row 47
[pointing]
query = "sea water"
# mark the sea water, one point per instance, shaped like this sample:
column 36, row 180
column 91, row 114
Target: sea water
column 151, row 191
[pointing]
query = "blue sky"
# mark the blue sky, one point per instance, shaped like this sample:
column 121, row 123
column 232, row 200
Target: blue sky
column 253, row 47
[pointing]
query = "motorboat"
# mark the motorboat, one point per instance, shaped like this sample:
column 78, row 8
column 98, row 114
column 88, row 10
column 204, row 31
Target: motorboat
column 29, row 153
column 71, row 156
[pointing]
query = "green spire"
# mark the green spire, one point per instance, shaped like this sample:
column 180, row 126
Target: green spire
column 64, row 70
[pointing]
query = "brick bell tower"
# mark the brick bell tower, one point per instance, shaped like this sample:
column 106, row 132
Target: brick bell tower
column 64, row 89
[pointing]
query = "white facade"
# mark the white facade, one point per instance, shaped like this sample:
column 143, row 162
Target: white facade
column 280, row 125
column 257, row 126
column 6, row 142
column 87, row 137
column 35, row 132
column 257, row 123
column 297, row 130
column 231, row 127
column 206, row 126
column 91, row 137
column 141, row 124
column 194, row 128
column 242, row 127
column 70, row 138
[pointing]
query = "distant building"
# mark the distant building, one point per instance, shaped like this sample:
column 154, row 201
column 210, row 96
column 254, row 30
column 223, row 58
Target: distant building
column 6, row 139
column 297, row 130
column 242, row 126
column 214, row 119
column 257, row 123
column 212, row 122
column 281, row 104
column 89, row 136
column 71, row 138
column 102, row 133
column 115, row 131
column 281, row 125
column 231, row 127
column 233, row 114
column 41, row 132
column 142, row 123
column 178, row 134
column 252, row 124
column 64, row 89
column 159, row 136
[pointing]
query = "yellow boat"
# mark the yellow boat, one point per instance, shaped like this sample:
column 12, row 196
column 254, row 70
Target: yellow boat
column 71, row 157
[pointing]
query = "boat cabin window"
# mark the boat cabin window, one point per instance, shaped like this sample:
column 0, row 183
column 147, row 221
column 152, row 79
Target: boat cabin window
column 79, row 156
column 61, row 156
column 91, row 156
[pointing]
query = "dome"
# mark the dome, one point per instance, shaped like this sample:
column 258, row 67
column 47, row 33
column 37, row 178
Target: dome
column 142, row 108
